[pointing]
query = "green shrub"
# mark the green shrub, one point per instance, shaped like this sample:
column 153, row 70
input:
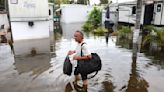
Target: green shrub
column 95, row 17
column 125, row 32
column 150, row 28
column 87, row 27
column 160, row 36
column 94, row 20
column 125, row 29
column 155, row 36
column 100, row 31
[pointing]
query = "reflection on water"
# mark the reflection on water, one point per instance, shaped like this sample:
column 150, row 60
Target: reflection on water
column 136, row 83
column 120, row 74
column 154, row 54
column 32, row 56
column 157, row 58
column 36, row 64
column 24, row 47
column 108, row 86
column 40, row 74
column 124, row 43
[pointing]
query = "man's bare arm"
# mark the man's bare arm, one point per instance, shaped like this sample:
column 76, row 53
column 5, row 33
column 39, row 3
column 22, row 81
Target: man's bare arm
column 82, row 57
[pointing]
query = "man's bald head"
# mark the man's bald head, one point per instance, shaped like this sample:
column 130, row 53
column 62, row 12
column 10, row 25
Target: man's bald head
column 82, row 35
column 78, row 36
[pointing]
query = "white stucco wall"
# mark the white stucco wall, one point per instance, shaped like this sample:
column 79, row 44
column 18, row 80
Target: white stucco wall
column 22, row 31
column 27, row 37
column 75, row 13
column 28, row 9
column 51, row 17
column 51, row 24
column 125, row 14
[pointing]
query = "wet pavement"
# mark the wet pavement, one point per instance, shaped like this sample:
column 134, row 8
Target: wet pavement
column 119, row 72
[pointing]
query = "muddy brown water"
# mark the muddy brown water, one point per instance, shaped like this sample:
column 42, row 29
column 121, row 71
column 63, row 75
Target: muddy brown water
column 119, row 72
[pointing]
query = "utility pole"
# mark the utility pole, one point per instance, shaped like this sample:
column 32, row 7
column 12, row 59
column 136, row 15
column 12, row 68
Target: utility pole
column 136, row 31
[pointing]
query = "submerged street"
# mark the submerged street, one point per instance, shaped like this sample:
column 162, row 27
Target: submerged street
column 119, row 72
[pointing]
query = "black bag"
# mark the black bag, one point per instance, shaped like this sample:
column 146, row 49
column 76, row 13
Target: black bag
column 67, row 68
column 108, row 24
column 90, row 66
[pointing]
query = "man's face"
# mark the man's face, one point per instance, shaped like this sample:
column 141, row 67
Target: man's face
column 77, row 37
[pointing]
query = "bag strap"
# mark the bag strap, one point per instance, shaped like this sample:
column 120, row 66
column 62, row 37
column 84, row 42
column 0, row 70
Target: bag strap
column 93, row 75
column 81, row 48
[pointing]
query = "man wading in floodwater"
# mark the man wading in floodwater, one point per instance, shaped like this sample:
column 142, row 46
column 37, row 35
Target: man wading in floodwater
column 78, row 36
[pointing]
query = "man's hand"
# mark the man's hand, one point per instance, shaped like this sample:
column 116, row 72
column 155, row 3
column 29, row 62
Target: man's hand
column 71, row 52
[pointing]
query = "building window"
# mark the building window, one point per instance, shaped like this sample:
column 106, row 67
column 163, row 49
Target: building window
column 134, row 10
column 159, row 8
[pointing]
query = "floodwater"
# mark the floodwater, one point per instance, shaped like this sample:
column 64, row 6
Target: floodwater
column 119, row 72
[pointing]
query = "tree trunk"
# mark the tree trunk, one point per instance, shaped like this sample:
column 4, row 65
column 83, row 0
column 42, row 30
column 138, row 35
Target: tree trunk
column 137, row 28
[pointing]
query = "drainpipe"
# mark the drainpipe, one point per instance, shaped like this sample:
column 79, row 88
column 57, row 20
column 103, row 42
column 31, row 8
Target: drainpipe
column 162, row 12
column 8, row 15
column 117, row 14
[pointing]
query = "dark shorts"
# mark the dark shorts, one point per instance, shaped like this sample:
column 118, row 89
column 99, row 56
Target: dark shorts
column 83, row 75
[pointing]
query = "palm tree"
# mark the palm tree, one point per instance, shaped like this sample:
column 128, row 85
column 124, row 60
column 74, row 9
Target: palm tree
column 137, row 29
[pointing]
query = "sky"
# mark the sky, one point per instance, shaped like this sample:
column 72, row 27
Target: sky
column 114, row 1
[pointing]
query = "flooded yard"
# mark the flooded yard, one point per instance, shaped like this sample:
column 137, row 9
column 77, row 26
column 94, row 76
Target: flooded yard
column 119, row 72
